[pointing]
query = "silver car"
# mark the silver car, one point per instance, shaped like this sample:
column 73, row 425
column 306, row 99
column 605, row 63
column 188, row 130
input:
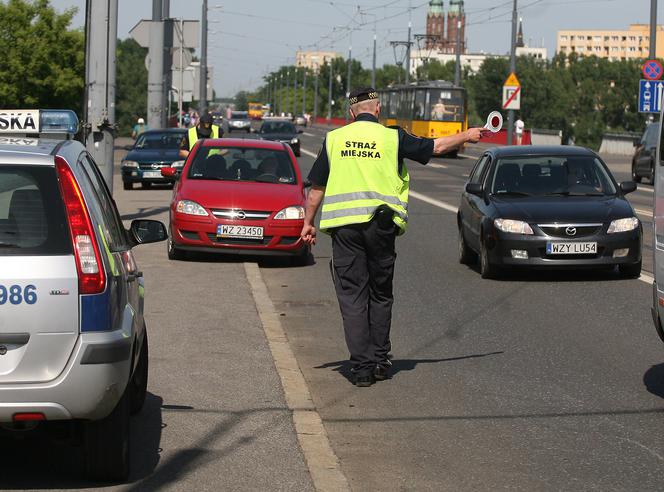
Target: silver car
column 73, row 341
column 239, row 120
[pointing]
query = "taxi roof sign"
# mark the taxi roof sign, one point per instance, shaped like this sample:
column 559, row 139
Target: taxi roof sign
column 38, row 122
column 512, row 81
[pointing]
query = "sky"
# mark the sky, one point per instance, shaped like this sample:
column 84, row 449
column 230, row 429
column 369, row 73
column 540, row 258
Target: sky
column 249, row 38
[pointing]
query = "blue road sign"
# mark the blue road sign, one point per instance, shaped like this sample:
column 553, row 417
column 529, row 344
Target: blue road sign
column 650, row 96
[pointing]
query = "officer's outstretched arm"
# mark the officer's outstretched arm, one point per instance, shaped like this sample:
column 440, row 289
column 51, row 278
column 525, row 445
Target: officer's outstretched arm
column 314, row 199
column 184, row 153
column 443, row 145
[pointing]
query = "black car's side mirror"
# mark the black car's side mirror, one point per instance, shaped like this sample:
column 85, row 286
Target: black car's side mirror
column 306, row 183
column 627, row 186
column 129, row 147
column 474, row 189
column 145, row 231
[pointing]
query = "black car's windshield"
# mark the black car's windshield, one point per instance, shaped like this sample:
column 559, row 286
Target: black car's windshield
column 551, row 176
column 239, row 115
column 278, row 127
column 166, row 140
column 242, row 164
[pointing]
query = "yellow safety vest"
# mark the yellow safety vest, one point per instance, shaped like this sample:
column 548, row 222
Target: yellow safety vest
column 193, row 135
column 364, row 174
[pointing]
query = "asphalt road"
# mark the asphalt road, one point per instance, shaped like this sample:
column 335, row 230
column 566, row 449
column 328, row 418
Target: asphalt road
column 546, row 381
column 534, row 382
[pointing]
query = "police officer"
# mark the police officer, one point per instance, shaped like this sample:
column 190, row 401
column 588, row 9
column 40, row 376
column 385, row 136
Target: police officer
column 362, row 183
column 204, row 129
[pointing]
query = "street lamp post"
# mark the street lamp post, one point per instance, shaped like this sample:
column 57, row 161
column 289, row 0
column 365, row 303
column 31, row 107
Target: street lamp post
column 350, row 62
column 510, row 113
column 329, row 95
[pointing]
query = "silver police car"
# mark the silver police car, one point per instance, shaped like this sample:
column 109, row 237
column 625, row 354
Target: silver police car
column 73, row 342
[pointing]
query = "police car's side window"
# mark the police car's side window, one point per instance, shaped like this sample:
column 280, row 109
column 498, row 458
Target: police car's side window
column 476, row 175
column 113, row 229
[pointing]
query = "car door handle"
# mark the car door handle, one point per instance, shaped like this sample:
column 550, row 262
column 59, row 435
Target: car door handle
column 14, row 338
column 133, row 276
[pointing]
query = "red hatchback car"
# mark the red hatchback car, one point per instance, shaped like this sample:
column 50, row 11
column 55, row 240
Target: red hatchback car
column 238, row 196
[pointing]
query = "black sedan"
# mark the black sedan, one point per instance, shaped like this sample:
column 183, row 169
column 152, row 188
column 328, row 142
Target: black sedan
column 537, row 206
column 643, row 162
column 152, row 150
column 281, row 131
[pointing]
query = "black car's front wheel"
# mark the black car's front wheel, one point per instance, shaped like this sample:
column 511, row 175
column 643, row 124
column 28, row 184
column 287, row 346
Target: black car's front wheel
column 466, row 255
column 127, row 186
column 175, row 253
column 487, row 268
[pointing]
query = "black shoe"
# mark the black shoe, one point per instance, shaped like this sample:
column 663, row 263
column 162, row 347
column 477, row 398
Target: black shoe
column 364, row 380
column 382, row 371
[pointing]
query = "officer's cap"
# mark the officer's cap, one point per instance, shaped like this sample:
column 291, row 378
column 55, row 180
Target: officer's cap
column 362, row 94
column 206, row 119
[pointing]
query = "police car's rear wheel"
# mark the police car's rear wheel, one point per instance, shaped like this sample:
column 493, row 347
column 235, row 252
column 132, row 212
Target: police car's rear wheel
column 139, row 381
column 107, row 444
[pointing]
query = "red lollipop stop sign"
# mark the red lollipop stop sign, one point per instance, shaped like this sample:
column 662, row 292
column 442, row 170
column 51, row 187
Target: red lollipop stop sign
column 494, row 122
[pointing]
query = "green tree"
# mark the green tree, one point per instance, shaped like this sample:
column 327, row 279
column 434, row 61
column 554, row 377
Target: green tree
column 131, row 85
column 42, row 64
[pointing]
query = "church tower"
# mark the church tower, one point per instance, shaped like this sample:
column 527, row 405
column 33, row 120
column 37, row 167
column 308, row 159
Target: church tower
column 455, row 14
column 436, row 25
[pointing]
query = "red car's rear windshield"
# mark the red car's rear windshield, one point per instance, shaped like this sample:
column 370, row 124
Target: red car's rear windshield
column 242, row 164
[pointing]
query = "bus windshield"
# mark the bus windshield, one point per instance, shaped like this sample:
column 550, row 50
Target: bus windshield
column 445, row 105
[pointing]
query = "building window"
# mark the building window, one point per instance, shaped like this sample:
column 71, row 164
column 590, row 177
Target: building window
column 614, row 48
column 614, row 38
column 632, row 48
column 632, row 38
column 563, row 37
column 572, row 38
column 624, row 38
column 581, row 48
column 606, row 39
column 597, row 39
column 598, row 48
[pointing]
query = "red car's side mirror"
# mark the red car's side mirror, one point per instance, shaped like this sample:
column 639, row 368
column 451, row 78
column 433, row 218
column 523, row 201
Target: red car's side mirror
column 168, row 172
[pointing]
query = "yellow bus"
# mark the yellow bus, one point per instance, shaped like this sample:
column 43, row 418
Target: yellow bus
column 427, row 109
column 255, row 110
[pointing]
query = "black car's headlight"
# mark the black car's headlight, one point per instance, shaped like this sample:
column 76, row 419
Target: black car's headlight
column 133, row 164
column 295, row 141
column 513, row 226
column 623, row 225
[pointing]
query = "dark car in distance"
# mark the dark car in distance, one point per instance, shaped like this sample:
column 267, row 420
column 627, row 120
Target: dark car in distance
column 643, row 162
column 281, row 131
column 544, row 207
column 152, row 150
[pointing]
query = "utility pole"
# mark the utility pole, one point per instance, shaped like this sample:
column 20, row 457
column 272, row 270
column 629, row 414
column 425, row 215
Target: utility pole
column 99, row 118
column 316, row 95
column 294, row 93
column 287, row 91
column 304, row 91
column 350, row 62
column 653, row 29
column 410, row 24
column 202, row 83
column 329, row 95
column 373, row 64
column 156, row 69
column 168, row 58
column 457, row 66
column 281, row 93
column 273, row 108
column 510, row 113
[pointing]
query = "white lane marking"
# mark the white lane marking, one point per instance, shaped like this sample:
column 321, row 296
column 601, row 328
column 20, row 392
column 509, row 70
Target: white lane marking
column 308, row 152
column 309, row 134
column 647, row 213
column 468, row 156
column 451, row 208
column 433, row 201
column 649, row 190
column 436, row 166
column 323, row 464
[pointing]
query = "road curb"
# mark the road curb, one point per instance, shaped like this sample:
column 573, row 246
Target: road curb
column 323, row 464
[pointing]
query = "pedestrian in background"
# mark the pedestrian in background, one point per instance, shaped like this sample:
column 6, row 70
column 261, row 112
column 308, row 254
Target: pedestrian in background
column 518, row 130
column 139, row 128
column 360, row 178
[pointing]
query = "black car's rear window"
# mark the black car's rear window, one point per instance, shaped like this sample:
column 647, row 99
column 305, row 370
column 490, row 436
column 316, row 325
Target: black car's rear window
column 551, row 175
column 240, row 115
column 32, row 214
column 242, row 164
column 278, row 127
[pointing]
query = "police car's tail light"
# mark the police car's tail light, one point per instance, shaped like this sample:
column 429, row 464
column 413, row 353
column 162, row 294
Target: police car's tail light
column 28, row 417
column 290, row 213
column 91, row 278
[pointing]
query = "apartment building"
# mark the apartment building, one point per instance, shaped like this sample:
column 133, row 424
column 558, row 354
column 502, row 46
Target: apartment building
column 614, row 45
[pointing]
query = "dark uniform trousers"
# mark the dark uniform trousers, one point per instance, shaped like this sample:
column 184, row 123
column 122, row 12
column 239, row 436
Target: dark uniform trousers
column 363, row 258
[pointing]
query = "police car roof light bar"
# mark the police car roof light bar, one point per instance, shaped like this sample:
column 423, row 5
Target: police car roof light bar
column 35, row 122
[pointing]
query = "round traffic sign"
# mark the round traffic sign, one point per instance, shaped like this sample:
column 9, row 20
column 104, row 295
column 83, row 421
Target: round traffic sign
column 494, row 122
column 652, row 70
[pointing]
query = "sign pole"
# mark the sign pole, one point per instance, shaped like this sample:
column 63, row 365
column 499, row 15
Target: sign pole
column 510, row 113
